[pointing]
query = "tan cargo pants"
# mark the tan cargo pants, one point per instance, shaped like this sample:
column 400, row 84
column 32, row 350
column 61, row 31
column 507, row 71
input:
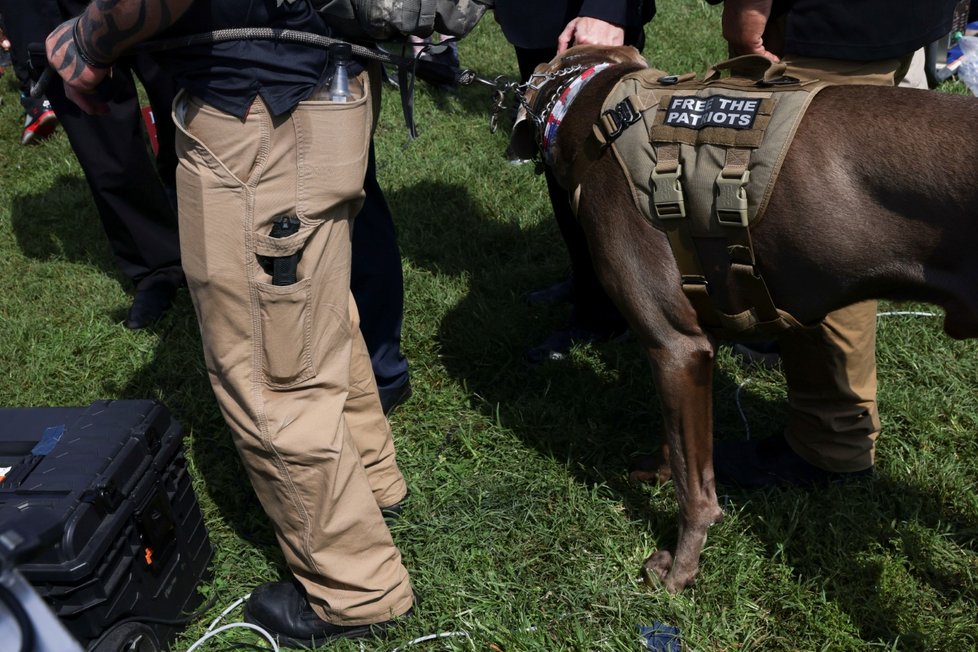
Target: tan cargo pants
column 833, row 421
column 287, row 363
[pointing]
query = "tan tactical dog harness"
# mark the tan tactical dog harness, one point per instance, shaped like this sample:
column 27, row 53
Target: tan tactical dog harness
column 701, row 167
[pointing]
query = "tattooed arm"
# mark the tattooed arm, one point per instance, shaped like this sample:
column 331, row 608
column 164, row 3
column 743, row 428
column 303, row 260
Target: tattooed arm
column 82, row 49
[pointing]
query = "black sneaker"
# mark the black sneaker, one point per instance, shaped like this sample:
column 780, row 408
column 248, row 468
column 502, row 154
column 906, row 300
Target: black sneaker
column 39, row 123
column 152, row 299
column 393, row 513
column 392, row 397
column 771, row 462
column 281, row 609
column 557, row 293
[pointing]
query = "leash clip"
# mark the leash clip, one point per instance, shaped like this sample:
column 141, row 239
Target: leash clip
column 498, row 97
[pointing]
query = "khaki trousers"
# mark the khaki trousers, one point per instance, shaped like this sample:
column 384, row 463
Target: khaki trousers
column 287, row 363
column 833, row 420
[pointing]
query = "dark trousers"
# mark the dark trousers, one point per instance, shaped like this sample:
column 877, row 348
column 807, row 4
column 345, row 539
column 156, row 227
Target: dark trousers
column 377, row 283
column 593, row 309
column 134, row 194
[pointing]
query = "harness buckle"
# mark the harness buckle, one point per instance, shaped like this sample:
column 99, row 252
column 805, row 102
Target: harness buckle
column 617, row 118
column 667, row 194
column 731, row 199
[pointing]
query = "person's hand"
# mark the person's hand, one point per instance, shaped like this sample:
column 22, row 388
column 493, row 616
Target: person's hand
column 743, row 26
column 80, row 79
column 590, row 31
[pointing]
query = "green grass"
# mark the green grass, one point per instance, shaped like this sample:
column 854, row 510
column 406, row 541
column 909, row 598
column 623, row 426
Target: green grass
column 523, row 529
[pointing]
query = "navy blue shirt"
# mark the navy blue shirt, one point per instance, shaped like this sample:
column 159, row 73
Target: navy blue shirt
column 865, row 30
column 230, row 75
column 536, row 24
column 861, row 30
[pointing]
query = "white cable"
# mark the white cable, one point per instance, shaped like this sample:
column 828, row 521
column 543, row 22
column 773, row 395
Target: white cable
column 224, row 628
column 430, row 637
column 212, row 632
column 227, row 611
column 907, row 313
column 740, row 408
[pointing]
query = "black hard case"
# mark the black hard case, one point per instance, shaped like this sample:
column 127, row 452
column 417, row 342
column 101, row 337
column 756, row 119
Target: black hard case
column 106, row 491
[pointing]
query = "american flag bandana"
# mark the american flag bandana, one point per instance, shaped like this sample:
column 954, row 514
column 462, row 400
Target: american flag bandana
column 560, row 109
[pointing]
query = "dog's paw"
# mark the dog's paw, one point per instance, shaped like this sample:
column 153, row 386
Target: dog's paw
column 656, row 568
column 647, row 469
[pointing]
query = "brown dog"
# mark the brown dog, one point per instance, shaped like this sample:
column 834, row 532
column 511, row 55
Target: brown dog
column 898, row 221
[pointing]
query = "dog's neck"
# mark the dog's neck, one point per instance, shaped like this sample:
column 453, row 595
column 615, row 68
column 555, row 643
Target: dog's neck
column 549, row 118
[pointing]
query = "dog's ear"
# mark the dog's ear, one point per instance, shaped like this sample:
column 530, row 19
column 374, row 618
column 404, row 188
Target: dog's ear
column 628, row 54
column 522, row 138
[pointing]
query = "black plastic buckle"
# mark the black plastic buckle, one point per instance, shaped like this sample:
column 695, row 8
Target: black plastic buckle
column 621, row 115
column 668, row 80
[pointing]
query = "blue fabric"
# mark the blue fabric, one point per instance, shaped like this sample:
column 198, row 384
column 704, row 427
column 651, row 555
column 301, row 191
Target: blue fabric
column 49, row 440
column 868, row 30
column 377, row 283
column 661, row 637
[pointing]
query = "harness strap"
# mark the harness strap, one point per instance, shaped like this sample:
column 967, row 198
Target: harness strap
column 611, row 124
column 731, row 213
column 405, row 86
column 670, row 206
column 667, row 187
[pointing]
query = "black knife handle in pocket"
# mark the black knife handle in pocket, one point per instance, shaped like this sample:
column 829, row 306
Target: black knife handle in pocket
column 284, row 268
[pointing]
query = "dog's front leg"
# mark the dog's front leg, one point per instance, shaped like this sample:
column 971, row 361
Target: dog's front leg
column 684, row 380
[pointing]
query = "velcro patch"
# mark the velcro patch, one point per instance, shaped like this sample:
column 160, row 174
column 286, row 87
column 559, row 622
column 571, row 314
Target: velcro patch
column 714, row 111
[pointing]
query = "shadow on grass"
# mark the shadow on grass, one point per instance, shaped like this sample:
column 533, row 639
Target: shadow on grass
column 62, row 222
column 593, row 412
column 596, row 410
column 886, row 552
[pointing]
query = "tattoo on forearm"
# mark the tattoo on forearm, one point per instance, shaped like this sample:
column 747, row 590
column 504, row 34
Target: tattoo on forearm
column 109, row 27
column 71, row 66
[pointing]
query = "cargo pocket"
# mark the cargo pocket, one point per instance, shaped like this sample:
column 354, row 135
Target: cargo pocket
column 332, row 141
column 214, row 139
column 286, row 332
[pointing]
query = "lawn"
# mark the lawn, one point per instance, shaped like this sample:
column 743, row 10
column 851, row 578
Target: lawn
column 523, row 530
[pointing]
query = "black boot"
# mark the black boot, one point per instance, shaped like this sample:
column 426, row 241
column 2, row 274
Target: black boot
column 770, row 462
column 281, row 608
